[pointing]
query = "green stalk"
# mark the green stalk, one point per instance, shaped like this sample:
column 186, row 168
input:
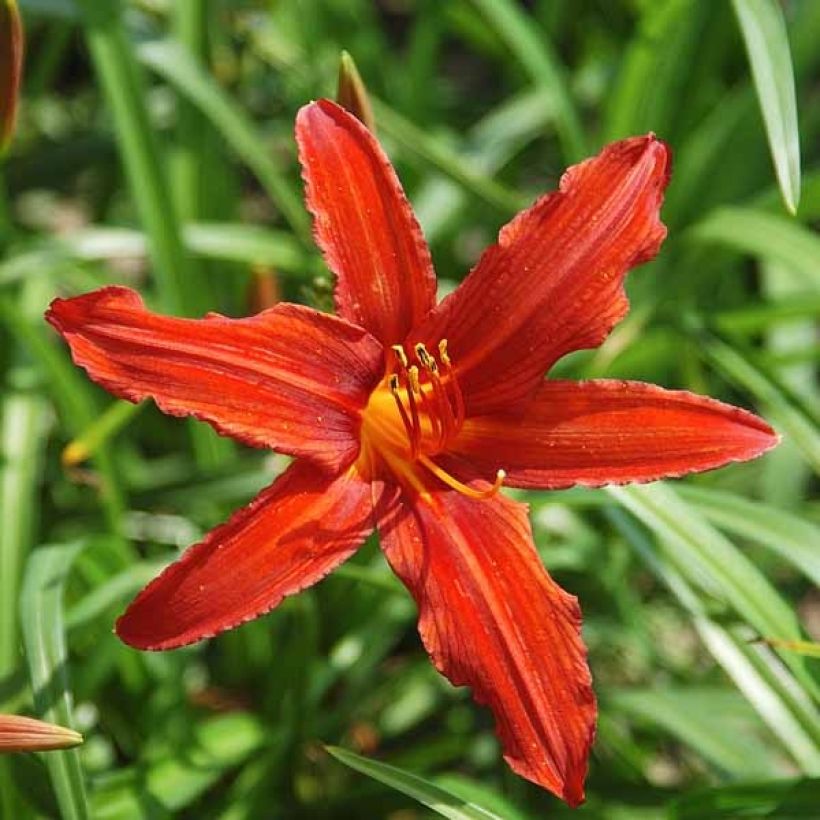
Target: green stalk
column 125, row 92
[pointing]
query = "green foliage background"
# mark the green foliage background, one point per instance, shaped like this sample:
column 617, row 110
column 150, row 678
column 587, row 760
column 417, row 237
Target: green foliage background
column 155, row 149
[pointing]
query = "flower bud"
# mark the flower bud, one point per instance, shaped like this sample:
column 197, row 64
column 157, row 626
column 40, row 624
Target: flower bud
column 352, row 93
column 25, row 734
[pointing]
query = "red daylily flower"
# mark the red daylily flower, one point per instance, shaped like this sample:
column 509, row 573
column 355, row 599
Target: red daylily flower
column 406, row 416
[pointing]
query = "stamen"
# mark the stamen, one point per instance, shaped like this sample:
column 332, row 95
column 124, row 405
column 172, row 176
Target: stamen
column 413, row 377
column 451, row 383
column 448, row 425
column 393, row 383
column 459, row 486
column 422, row 355
column 400, row 355
column 411, row 424
column 414, row 387
column 442, row 353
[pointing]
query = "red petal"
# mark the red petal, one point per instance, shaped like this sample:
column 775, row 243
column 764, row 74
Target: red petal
column 554, row 281
column 289, row 537
column 290, row 378
column 610, row 432
column 364, row 224
column 492, row 619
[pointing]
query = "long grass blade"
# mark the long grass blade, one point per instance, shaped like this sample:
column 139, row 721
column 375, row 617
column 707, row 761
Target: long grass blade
column 125, row 94
column 41, row 610
column 767, row 45
column 169, row 61
column 423, row 791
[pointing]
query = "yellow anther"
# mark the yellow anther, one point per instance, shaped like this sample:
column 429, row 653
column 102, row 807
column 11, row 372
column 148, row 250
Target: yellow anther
column 421, row 354
column 442, row 352
column 413, row 378
column 400, row 355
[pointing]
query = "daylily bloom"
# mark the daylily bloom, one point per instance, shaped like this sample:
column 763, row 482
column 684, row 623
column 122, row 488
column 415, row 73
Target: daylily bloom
column 25, row 734
column 407, row 416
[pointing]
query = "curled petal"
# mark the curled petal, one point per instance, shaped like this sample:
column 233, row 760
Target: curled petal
column 610, row 432
column 364, row 224
column 554, row 281
column 25, row 734
column 288, row 538
column 289, row 378
column 492, row 618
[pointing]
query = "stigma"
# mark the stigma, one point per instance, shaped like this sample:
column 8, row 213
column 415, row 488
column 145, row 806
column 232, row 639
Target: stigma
column 424, row 412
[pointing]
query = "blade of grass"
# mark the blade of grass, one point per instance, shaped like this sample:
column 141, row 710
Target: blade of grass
column 420, row 143
column 422, row 791
column 709, row 720
column 781, row 404
column 225, row 241
column 71, row 396
column 125, row 93
column 533, row 51
column 113, row 419
column 22, row 416
column 41, row 611
column 772, row 798
column 178, row 68
column 655, row 65
column 713, row 564
column 791, row 537
column 762, row 235
column 790, row 716
column 767, row 45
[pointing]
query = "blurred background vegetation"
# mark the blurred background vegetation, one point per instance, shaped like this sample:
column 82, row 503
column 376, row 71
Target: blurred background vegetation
column 154, row 148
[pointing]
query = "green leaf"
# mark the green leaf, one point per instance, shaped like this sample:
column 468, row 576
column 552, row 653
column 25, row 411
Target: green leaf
column 41, row 611
column 423, row 791
column 784, row 408
column 714, row 722
column 791, row 537
column 655, row 66
column 765, row 236
column 172, row 63
column 713, row 564
column 767, row 45
column 427, row 147
column 784, row 799
column 756, row 672
column 122, row 84
column 532, row 49
column 172, row 778
column 808, row 648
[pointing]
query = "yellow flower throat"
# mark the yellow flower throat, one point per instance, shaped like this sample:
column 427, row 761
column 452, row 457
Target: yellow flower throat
column 412, row 416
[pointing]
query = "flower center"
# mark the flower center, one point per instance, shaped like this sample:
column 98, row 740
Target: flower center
column 413, row 415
